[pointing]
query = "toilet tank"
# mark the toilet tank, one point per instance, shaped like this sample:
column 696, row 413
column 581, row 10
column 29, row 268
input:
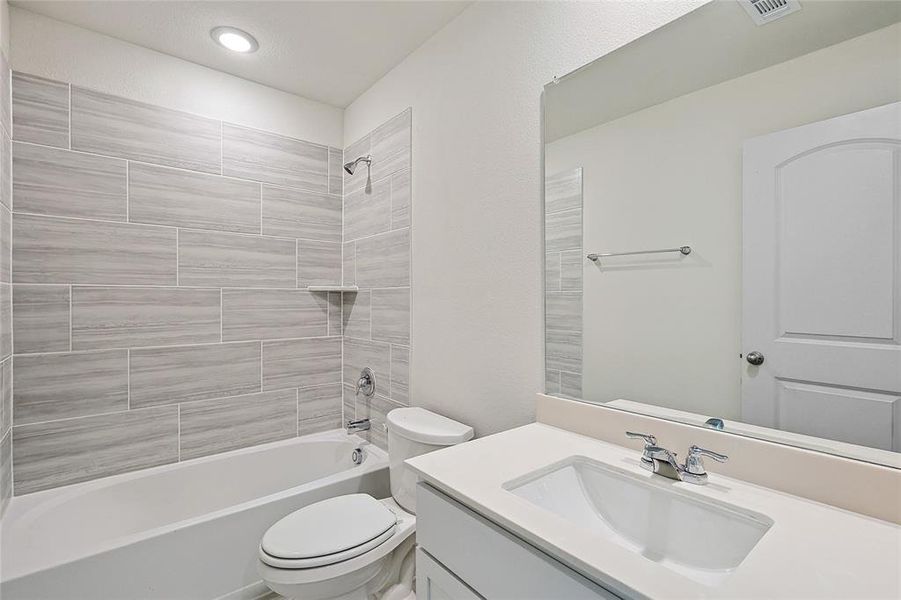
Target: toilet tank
column 413, row 431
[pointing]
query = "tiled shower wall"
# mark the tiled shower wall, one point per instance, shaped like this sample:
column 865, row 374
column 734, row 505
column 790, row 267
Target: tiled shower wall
column 158, row 266
column 377, row 234
column 563, row 283
column 6, row 408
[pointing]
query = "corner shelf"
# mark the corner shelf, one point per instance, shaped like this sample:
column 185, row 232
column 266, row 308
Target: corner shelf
column 333, row 288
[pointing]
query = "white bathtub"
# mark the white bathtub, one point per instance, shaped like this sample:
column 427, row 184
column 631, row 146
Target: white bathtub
column 188, row 530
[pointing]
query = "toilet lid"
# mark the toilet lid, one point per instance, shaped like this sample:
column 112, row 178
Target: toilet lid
column 333, row 527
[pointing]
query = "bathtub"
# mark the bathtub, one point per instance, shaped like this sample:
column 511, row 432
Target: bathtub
column 188, row 530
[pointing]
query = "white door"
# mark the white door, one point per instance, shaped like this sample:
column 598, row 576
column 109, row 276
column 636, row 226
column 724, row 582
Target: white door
column 822, row 279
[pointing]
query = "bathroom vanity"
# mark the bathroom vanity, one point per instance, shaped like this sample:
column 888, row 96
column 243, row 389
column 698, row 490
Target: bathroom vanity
column 540, row 512
column 721, row 272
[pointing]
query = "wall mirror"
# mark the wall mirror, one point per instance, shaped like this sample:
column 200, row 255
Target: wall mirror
column 722, row 215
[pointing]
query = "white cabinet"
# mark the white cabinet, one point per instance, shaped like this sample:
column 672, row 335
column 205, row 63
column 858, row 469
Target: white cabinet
column 486, row 560
column 434, row 582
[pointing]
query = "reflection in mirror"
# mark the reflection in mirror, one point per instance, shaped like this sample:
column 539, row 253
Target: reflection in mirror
column 740, row 186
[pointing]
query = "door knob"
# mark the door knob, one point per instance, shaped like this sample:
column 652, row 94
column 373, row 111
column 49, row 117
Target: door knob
column 755, row 358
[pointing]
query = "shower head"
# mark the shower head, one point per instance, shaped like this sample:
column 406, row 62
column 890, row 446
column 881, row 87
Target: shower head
column 352, row 166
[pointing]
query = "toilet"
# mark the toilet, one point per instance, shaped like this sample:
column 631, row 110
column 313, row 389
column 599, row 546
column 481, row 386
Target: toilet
column 354, row 547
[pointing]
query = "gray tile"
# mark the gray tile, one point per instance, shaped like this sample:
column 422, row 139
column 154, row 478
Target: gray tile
column 275, row 159
column 6, row 395
column 57, row 250
column 6, row 233
column 401, row 200
column 114, row 126
column 348, row 402
column 335, row 171
column 301, row 363
column 179, row 198
column 400, row 374
column 319, row 408
column 50, row 181
column 391, row 315
column 363, row 353
column 207, row 258
column 563, row 311
column 348, row 263
column 391, row 146
column 318, row 263
column 376, row 409
column 571, row 265
column 360, row 178
column 6, row 170
column 6, row 470
column 58, row 453
column 5, row 95
column 129, row 317
column 300, row 214
column 563, row 230
column 185, row 373
column 367, row 211
column 384, row 260
column 47, row 387
column 335, row 322
column 40, row 110
column 213, row 426
column 6, row 320
column 273, row 314
column 552, row 272
column 563, row 350
column 356, row 314
column 571, row 384
column 551, row 382
column 563, row 191
column 40, row 318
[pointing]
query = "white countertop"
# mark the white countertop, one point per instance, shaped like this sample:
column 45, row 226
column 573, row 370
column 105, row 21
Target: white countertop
column 811, row 551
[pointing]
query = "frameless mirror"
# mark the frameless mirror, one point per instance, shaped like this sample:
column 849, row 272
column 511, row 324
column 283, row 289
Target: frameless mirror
column 723, row 225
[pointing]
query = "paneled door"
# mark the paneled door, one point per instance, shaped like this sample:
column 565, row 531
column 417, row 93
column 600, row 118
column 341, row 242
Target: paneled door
column 821, row 259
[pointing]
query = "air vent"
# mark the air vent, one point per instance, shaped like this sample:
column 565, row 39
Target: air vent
column 764, row 11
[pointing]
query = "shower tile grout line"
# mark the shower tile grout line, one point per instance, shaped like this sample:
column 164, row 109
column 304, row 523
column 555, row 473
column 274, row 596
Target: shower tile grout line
column 168, row 346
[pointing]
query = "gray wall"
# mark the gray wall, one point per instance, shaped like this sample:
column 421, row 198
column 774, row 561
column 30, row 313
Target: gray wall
column 158, row 261
column 377, row 234
column 563, row 267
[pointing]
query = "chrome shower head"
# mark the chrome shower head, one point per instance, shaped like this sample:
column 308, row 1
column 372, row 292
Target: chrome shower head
column 352, row 166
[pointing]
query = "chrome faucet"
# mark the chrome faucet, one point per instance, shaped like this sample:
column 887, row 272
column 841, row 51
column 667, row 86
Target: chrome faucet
column 663, row 462
column 358, row 425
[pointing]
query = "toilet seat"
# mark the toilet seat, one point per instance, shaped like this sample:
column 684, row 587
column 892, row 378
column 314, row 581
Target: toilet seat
column 328, row 532
column 345, row 575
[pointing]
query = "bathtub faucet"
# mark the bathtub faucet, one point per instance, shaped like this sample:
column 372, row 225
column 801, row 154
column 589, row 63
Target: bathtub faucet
column 358, row 425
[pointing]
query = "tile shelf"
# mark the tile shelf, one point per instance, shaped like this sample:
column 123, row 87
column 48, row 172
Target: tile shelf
column 333, row 288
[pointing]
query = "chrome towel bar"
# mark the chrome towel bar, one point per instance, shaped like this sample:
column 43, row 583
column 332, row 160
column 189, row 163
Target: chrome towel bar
column 686, row 250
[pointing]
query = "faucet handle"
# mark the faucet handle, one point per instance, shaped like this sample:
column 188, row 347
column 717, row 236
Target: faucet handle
column 694, row 464
column 649, row 440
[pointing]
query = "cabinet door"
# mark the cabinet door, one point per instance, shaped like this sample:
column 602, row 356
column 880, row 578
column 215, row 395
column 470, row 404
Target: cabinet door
column 434, row 582
column 491, row 560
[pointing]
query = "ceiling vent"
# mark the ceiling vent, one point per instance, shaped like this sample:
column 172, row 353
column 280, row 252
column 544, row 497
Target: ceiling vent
column 764, row 11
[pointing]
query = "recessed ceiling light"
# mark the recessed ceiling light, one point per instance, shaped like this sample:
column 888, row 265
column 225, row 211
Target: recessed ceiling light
column 234, row 39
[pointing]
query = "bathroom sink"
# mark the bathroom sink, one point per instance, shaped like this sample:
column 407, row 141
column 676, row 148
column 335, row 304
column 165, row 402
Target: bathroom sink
column 699, row 538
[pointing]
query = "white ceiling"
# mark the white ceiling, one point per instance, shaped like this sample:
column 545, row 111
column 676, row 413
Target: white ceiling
column 326, row 51
column 712, row 44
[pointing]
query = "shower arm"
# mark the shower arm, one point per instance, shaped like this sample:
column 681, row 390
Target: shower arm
column 352, row 166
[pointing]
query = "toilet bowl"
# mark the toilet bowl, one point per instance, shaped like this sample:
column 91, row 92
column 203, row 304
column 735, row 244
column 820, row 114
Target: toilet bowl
column 354, row 547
